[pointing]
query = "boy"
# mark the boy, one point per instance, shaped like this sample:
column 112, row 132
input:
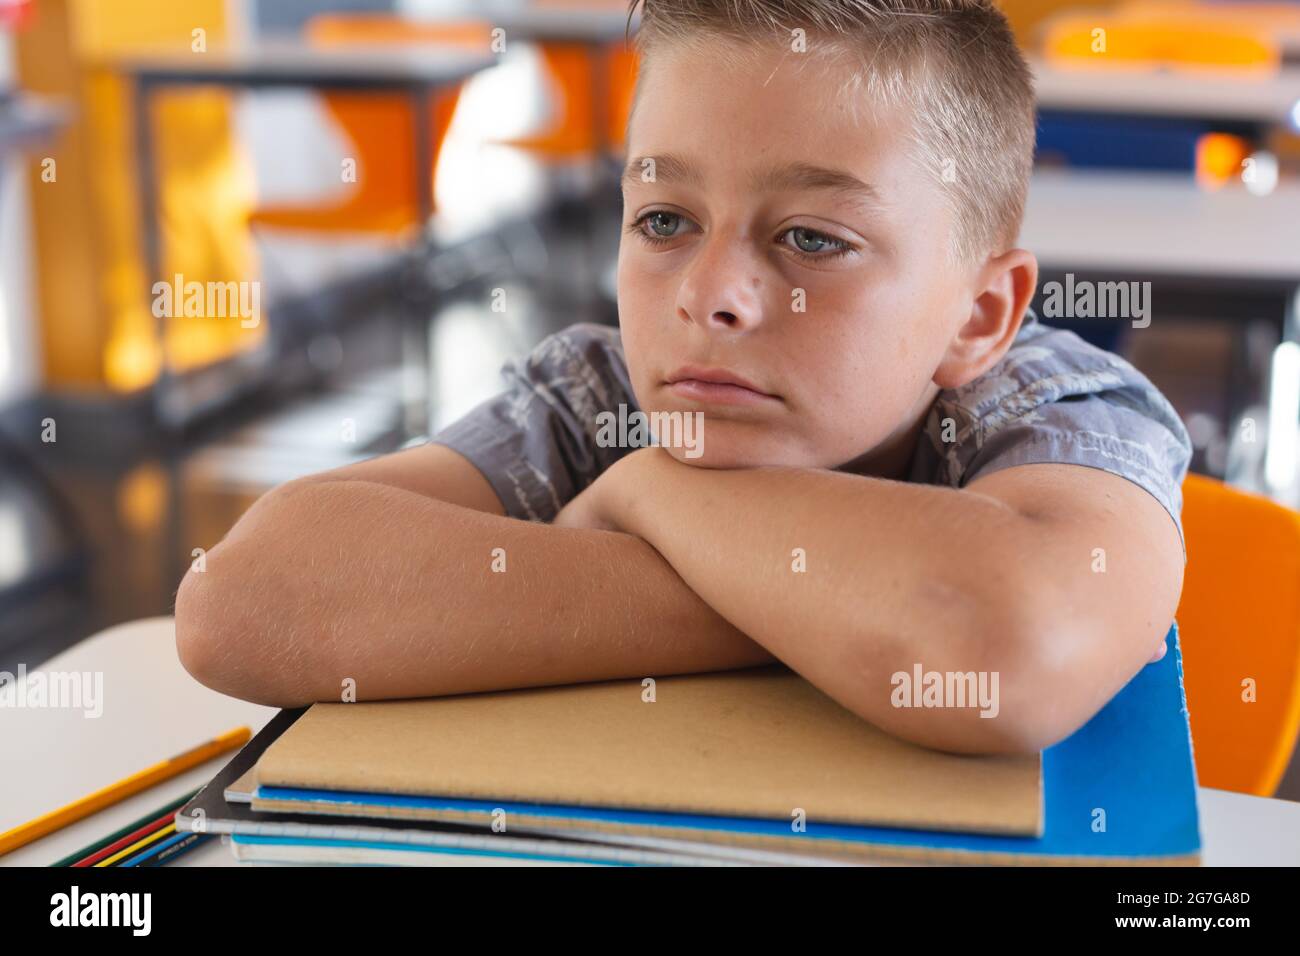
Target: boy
column 896, row 467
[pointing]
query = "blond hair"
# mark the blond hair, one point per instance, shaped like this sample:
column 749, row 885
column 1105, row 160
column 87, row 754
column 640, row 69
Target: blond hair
column 953, row 63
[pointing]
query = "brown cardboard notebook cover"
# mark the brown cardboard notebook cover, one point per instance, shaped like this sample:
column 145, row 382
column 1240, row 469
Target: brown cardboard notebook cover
column 756, row 743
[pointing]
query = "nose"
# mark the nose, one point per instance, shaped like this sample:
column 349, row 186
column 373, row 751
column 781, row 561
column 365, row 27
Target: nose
column 721, row 288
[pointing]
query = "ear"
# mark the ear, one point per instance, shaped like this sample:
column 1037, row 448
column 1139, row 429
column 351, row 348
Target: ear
column 1004, row 288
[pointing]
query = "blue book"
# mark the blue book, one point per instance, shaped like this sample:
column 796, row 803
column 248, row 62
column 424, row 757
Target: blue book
column 1121, row 790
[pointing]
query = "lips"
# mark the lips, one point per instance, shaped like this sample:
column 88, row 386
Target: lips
column 716, row 385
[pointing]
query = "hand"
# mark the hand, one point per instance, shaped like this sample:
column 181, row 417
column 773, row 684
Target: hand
column 585, row 510
column 1159, row 652
column 601, row 505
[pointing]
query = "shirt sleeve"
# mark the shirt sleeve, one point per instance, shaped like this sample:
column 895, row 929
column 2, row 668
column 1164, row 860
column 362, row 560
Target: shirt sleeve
column 536, row 442
column 1056, row 399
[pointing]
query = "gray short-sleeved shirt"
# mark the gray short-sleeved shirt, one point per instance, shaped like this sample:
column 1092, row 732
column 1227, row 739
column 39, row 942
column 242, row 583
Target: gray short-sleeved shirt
column 1052, row 398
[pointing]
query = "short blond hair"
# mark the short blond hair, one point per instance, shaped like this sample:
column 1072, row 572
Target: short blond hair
column 954, row 63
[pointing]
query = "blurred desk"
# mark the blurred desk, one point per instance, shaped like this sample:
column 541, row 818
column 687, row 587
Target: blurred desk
column 417, row 71
column 284, row 63
column 152, row 707
column 1164, row 225
column 561, row 25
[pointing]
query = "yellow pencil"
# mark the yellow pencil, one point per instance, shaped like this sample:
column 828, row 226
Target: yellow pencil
column 115, row 793
column 138, row 845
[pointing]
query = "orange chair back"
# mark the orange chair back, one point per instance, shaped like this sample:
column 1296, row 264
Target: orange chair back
column 1178, row 39
column 381, row 29
column 623, row 67
column 1239, row 621
column 569, row 70
column 379, row 127
column 579, row 118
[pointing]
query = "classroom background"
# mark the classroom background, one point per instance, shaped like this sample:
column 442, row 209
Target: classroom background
column 351, row 181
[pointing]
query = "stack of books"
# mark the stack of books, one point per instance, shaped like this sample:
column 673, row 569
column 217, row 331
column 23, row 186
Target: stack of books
column 743, row 767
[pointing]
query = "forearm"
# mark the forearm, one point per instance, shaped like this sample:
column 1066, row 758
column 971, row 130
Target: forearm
column 408, row 596
column 850, row 580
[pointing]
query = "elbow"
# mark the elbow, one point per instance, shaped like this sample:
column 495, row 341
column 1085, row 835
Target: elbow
column 222, row 643
column 203, row 638
column 1027, row 730
column 1012, row 732
column 1019, row 717
column 1042, row 697
column 209, row 640
column 1007, row 683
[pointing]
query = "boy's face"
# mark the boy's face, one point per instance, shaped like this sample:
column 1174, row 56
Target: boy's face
column 835, row 307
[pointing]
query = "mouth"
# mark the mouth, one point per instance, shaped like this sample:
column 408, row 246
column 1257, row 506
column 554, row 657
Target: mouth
column 716, row 386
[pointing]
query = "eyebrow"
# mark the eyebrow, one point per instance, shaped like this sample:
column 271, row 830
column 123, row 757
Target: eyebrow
column 798, row 175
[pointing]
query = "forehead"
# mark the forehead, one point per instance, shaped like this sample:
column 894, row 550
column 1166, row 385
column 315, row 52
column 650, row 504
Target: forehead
column 761, row 117
column 796, row 175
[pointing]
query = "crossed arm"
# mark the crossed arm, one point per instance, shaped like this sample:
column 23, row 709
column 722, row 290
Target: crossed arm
column 389, row 573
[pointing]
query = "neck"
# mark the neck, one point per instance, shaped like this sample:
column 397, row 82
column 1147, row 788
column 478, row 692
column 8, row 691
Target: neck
column 892, row 458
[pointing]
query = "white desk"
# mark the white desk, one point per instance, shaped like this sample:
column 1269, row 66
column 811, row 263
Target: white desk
column 153, row 708
column 1161, row 224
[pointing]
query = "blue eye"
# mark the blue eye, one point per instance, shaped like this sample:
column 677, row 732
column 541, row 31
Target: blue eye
column 812, row 245
column 658, row 219
column 809, row 245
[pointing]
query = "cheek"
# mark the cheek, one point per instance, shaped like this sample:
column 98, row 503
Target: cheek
column 636, row 316
column 639, row 336
column 869, row 376
column 647, row 321
column 894, row 336
column 645, row 273
column 642, row 293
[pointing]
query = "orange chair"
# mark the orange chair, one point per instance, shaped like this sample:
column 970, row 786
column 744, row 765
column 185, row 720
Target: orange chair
column 1239, row 621
column 623, row 66
column 571, row 70
column 586, row 121
column 379, row 125
column 1155, row 36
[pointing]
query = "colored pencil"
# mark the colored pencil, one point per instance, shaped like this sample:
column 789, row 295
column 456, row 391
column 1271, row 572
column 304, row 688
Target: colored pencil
column 153, row 826
column 168, row 850
column 115, row 793
column 79, row 858
column 138, row 845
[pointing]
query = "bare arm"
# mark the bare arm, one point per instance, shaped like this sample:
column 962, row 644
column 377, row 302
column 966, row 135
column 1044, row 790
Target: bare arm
column 383, row 572
column 1000, row 577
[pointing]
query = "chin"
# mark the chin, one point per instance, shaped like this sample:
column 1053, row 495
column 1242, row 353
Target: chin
column 719, row 453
